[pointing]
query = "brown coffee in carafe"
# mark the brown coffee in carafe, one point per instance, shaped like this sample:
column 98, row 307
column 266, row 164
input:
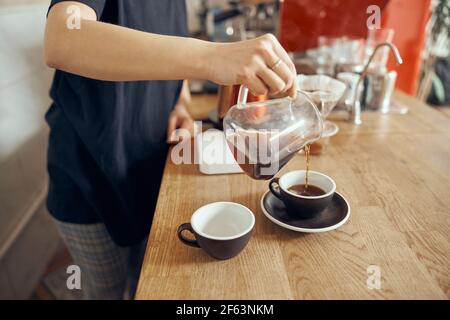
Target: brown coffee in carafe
column 283, row 125
column 268, row 158
column 258, row 170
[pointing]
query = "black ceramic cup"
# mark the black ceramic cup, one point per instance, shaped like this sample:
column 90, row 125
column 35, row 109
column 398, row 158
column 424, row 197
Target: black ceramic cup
column 221, row 229
column 298, row 205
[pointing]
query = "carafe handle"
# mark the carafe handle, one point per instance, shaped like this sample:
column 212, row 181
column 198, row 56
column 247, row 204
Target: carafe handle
column 242, row 96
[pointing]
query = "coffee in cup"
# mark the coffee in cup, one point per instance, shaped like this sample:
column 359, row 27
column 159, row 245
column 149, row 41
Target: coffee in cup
column 306, row 190
column 301, row 200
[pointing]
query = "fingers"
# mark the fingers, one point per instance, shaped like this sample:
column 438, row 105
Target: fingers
column 272, row 80
column 180, row 128
column 292, row 92
column 264, row 67
column 256, row 86
column 292, row 83
column 172, row 125
column 285, row 73
column 279, row 50
column 186, row 130
column 285, row 70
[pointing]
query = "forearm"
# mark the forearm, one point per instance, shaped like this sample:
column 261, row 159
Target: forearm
column 109, row 52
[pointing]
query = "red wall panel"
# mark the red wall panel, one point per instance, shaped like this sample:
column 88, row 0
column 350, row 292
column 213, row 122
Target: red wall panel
column 303, row 21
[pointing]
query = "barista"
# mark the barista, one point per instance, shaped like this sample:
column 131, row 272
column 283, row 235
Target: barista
column 118, row 97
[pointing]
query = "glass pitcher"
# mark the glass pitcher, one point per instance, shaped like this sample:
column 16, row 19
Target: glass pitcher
column 263, row 136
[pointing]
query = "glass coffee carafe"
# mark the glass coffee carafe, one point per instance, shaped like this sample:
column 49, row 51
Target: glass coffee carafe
column 263, row 136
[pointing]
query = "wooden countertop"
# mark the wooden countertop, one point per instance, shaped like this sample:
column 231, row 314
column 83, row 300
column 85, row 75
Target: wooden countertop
column 395, row 172
column 445, row 110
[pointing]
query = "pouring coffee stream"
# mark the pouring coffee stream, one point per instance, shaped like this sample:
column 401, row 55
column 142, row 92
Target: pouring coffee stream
column 263, row 136
column 308, row 164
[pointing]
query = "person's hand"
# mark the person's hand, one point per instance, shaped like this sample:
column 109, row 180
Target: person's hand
column 181, row 125
column 261, row 64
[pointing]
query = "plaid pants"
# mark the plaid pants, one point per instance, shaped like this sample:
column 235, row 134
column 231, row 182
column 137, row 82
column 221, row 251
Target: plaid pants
column 108, row 272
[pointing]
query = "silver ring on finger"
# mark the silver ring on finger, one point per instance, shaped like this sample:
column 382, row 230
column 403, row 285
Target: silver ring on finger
column 276, row 64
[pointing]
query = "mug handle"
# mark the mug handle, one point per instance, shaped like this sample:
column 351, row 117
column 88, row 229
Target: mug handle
column 189, row 242
column 275, row 189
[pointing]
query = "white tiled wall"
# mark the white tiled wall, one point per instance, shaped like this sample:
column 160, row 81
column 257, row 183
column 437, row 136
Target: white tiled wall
column 27, row 236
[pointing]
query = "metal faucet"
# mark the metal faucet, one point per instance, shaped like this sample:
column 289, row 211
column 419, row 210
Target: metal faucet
column 355, row 109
